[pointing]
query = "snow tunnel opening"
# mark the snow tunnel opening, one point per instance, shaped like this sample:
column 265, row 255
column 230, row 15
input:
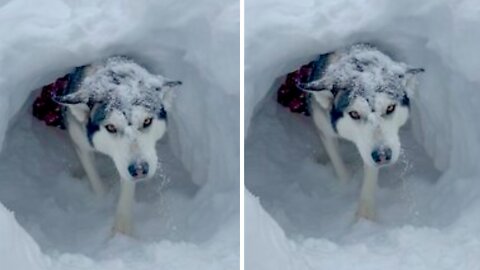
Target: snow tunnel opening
column 287, row 168
column 44, row 185
column 197, row 214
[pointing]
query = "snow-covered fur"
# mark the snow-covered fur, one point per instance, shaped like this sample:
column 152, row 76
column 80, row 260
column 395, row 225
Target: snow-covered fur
column 362, row 96
column 118, row 108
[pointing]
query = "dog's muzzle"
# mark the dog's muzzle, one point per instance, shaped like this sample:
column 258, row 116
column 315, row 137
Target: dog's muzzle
column 382, row 155
column 138, row 170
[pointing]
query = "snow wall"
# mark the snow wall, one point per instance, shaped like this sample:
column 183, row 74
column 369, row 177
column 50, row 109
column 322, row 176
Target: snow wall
column 428, row 205
column 193, row 222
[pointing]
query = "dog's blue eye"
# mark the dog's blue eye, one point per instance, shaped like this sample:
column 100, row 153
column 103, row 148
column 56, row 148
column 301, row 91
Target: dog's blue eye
column 111, row 128
column 354, row 115
column 390, row 109
column 147, row 122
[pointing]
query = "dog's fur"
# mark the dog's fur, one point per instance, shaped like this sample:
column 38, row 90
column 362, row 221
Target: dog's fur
column 362, row 96
column 118, row 108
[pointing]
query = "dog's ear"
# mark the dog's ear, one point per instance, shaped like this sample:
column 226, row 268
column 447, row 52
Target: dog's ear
column 313, row 86
column 414, row 71
column 168, row 83
column 320, row 92
column 166, row 92
column 77, row 103
column 410, row 79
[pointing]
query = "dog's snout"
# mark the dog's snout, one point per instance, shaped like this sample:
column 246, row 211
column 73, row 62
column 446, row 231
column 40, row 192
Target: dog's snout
column 138, row 169
column 382, row 155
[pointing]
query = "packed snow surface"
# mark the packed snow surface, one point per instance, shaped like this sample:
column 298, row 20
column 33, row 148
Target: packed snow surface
column 428, row 204
column 186, row 217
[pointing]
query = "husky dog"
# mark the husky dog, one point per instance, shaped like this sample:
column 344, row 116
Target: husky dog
column 363, row 96
column 118, row 108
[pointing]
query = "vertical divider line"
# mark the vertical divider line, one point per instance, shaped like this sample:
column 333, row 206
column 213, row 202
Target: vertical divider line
column 242, row 134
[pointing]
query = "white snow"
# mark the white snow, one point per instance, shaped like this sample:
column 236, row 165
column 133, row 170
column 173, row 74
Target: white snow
column 187, row 216
column 132, row 82
column 428, row 204
column 378, row 72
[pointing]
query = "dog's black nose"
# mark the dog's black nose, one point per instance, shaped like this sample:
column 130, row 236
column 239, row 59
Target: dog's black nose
column 138, row 169
column 382, row 155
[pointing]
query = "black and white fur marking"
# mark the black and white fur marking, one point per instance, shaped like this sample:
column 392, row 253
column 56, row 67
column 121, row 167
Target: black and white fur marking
column 363, row 96
column 118, row 108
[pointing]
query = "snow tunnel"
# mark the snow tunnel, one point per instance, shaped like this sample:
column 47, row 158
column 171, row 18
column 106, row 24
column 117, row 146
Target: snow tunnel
column 293, row 204
column 190, row 206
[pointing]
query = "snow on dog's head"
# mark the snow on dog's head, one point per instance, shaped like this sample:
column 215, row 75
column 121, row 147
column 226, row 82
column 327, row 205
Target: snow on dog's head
column 368, row 96
column 123, row 107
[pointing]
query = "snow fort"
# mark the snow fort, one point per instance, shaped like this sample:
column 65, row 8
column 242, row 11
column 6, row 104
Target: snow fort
column 428, row 203
column 187, row 216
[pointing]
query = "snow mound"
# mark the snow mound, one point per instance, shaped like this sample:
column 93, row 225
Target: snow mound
column 21, row 250
column 187, row 216
column 427, row 203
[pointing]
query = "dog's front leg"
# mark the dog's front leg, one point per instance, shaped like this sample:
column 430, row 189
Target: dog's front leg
column 331, row 146
column 87, row 160
column 123, row 218
column 366, row 207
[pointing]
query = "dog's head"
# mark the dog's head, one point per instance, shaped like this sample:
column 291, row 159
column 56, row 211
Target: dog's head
column 368, row 97
column 123, row 108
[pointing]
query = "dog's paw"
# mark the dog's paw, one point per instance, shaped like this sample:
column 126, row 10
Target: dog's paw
column 119, row 229
column 365, row 211
column 124, row 228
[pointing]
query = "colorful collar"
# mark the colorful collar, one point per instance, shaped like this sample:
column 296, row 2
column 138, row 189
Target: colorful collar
column 290, row 96
column 46, row 109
